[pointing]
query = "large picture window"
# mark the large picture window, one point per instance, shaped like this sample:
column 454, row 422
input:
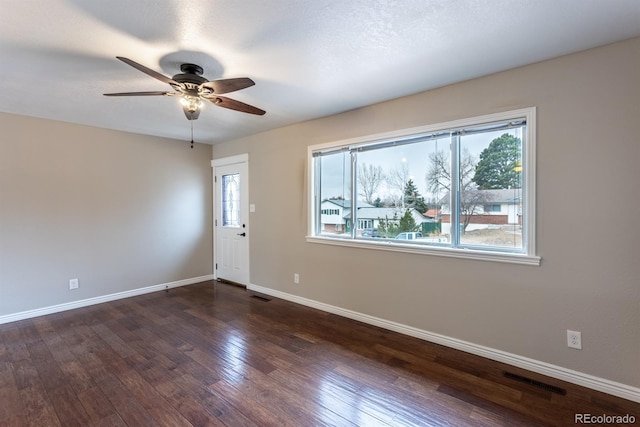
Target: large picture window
column 464, row 188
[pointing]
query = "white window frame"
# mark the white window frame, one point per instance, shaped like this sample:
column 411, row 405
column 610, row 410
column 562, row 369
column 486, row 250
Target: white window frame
column 527, row 257
column 364, row 224
column 492, row 208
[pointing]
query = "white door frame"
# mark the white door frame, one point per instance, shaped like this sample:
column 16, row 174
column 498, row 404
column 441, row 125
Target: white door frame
column 227, row 161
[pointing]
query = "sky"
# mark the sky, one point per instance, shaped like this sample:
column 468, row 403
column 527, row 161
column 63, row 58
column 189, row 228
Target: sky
column 414, row 158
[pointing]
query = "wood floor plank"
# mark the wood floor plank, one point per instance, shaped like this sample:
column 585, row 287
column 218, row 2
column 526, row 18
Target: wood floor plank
column 211, row 354
column 113, row 420
column 253, row 405
column 15, row 347
column 68, row 407
column 125, row 404
column 159, row 408
column 331, row 398
column 96, row 404
column 185, row 403
column 17, row 421
column 11, row 403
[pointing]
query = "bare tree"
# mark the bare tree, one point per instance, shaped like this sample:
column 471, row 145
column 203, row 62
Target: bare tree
column 369, row 179
column 439, row 183
column 439, row 173
column 397, row 179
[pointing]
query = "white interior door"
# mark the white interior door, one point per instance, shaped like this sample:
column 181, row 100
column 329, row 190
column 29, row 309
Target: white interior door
column 231, row 225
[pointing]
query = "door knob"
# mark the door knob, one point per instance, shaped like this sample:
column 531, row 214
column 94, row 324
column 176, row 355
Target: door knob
column 242, row 234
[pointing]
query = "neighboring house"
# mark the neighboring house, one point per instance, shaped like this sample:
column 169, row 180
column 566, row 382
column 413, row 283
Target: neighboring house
column 369, row 217
column 336, row 216
column 504, row 203
column 486, row 208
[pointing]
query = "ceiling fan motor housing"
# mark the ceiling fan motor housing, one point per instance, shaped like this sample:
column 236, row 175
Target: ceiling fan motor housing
column 190, row 80
column 191, row 73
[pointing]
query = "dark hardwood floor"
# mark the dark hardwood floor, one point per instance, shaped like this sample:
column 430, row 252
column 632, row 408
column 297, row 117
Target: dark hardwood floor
column 214, row 354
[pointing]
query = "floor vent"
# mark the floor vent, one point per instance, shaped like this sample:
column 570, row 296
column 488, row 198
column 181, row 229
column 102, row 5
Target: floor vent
column 261, row 298
column 539, row 384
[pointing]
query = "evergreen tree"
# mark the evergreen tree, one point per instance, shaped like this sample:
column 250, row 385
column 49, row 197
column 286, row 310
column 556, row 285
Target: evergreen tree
column 498, row 167
column 407, row 223
column 391, row 227
column 387, row 227
column 413, row 199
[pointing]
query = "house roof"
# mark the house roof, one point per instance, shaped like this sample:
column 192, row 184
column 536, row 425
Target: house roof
column 492, row 196
column 308, row 58
column 432, row 213
column 346, row 204
column 502, row 196
column 386, row 213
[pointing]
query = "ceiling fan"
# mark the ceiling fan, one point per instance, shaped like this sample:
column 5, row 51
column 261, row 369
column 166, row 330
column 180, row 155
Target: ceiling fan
column 192, row 88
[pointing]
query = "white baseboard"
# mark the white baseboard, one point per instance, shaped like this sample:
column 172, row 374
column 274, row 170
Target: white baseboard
column 606, row 386
column 97, row 300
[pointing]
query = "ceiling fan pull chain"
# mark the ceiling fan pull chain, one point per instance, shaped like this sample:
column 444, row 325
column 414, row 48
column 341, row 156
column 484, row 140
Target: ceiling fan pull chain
column 191, row 133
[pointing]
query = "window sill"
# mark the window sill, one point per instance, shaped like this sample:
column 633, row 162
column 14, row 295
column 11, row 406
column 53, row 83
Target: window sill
column 386, row 245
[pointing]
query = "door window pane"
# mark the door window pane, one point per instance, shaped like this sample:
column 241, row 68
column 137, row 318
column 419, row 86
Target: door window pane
column 231, row 200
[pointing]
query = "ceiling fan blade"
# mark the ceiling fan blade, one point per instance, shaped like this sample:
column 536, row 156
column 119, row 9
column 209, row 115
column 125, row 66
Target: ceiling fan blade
column 147, row 71
column 232, row 104
column 153, row 93
column 228, row 85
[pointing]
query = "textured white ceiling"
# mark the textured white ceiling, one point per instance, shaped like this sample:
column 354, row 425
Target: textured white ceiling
column 309, row 58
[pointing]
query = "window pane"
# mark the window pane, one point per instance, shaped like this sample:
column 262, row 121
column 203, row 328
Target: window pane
column 231, row 200
column 491, row 189
column 395, row 197
column 334, row 176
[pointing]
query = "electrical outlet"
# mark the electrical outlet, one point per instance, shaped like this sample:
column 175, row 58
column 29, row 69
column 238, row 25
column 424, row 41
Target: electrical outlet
column 574, row 339
column 73, row 284
column 296, row 278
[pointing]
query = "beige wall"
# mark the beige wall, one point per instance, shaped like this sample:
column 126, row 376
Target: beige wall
column 588, row 112
column 116, row 210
